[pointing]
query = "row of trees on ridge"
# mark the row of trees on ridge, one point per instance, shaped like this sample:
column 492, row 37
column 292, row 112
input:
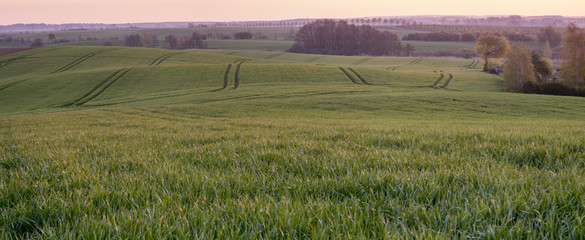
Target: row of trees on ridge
column 338, row 37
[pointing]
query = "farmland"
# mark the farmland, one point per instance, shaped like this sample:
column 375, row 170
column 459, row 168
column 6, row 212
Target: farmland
column 112, row 142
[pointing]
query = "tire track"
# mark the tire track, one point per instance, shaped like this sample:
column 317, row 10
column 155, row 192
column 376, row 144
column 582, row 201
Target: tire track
column 448, row 81
column 438, row 80
column 99, row 89
column 361, row 61
column 349, row 76
column 11, row 60
column 237, row 82
column 76, row 62
column 227, row 76
column 5, row 86
column 313, row 59
column 359, row 76
column 161, row 59
column 416, row 61
column 273, row 56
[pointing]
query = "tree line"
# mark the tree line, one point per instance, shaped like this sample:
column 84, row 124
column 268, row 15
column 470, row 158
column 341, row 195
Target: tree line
column 170, row 41
column 465, row 37
column 528, row 72
column 338, row 37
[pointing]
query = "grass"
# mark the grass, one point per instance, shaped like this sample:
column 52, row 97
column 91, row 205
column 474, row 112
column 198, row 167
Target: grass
column 296, row 151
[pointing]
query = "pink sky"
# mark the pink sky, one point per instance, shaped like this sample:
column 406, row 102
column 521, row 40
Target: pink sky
column 125, row 11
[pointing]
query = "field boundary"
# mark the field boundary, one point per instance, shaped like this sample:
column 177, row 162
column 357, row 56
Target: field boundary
column 99, row 89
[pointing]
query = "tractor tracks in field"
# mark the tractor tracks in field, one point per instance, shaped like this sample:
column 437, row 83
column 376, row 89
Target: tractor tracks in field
column 237, row 81
column 5, row 86
column 473, row 64
column 438, row 81
column 11, row 60
column 416, row 61
column 161, row 59
column 361, row 61
column 413, row 62
column 273, row 56
column 100, row 88
column 310, row 60
column 77, row 61
column 226, row 77
column 354, row 76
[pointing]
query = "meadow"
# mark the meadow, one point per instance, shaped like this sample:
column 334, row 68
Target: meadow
column 126, row 143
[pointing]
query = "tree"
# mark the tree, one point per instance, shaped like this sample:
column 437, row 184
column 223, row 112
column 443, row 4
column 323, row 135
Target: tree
column 408, row 50
column 37, row 43
column 243, row 35
column 518, row 69
column 150, row 40
column 333, row 37
column 171, row 42
column 52, row 37
column 573, row 53
column 491, row 46
column 134, row 40
column 547, row 50
column 551, row 35
column 543, row 67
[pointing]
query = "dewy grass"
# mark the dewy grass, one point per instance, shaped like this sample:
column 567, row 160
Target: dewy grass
column 297, row 151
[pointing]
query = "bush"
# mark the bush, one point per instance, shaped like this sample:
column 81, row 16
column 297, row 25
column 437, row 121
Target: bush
column 530, row 87
column 243, row 35
column 559, row 89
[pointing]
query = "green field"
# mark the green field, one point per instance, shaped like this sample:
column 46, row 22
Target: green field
column 132, row 143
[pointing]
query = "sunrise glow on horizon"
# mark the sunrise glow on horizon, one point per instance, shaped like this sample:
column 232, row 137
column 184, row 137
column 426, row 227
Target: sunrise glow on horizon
column 131, row 11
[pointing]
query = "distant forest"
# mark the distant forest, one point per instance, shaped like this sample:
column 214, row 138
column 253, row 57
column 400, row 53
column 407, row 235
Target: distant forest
column 337, row 37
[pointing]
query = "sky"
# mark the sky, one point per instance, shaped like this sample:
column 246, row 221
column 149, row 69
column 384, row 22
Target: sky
column 133, row 11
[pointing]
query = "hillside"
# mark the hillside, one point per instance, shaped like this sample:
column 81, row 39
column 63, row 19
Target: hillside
column 79, row 77
column 131, row 143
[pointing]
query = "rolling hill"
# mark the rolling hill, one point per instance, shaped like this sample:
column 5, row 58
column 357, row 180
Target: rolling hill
column 132, row 143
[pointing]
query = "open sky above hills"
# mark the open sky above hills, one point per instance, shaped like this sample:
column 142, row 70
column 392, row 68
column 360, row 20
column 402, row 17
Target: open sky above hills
column 123, row 11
